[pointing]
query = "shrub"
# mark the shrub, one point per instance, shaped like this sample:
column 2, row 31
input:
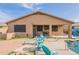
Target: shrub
column 12, row 52
column 2, row 36
column 20, row 36
column 1, row 26
column 23, row 36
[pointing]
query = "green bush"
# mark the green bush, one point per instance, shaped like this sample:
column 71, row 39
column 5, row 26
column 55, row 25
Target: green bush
column 72, row 40
column 2, row 37
column 1, row 26
column 20, row 36
column 12, row 52
column 23, row 36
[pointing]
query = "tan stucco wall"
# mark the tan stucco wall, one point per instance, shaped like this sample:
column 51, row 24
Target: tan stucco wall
column 38, row 20
column 3, row 29
column 59, row 32
column 10, row 35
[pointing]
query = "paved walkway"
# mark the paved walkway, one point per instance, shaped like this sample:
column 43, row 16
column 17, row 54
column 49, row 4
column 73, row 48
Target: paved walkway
column 7, row 46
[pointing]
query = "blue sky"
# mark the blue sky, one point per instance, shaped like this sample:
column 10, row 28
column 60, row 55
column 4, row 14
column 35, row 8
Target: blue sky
column 10, row 11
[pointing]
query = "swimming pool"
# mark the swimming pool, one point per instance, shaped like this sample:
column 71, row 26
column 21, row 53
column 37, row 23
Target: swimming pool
column 74, row 46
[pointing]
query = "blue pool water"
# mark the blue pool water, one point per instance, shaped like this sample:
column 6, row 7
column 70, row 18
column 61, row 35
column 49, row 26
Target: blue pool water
column 74, row 46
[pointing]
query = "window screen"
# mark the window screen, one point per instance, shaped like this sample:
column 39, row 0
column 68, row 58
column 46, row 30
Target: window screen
column 39, row 28
column 19, row 28
column 54, row 28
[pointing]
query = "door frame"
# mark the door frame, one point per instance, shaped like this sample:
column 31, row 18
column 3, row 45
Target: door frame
column 44, row 30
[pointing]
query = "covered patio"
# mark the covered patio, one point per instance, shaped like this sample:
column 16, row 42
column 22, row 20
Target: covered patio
column 53, row 30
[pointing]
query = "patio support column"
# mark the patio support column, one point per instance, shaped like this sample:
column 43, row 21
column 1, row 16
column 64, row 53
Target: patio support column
column 69, row 31
column 50, row 30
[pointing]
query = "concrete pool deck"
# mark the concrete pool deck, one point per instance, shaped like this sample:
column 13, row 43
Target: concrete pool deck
column 57, row 45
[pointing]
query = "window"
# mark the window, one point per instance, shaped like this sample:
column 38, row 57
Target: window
column 39, row 28
column 54, row 28
column 46, row 27
column 19, row 28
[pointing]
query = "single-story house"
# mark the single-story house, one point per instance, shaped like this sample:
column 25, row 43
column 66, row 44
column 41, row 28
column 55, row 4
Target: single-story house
column 36, row 22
